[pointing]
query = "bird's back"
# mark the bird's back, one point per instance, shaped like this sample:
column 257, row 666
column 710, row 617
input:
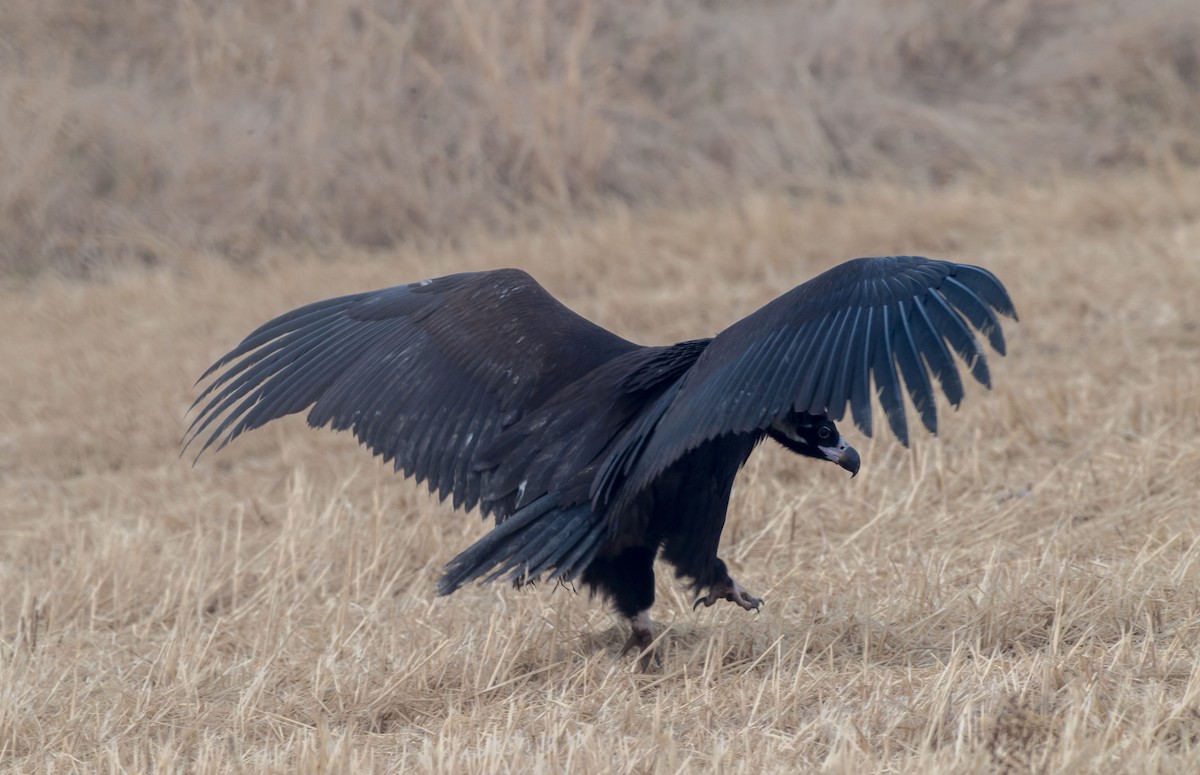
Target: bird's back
column 558, row 447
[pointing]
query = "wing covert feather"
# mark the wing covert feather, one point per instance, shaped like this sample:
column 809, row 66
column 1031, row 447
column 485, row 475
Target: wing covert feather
column 880, row 320
column 426, row 375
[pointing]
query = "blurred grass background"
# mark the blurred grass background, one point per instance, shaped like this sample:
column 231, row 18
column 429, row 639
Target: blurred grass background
column 148, row 133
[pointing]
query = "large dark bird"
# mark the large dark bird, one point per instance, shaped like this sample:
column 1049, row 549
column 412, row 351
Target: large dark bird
column 592, row 453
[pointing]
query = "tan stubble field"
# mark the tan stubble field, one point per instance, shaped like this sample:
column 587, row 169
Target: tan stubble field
column 1019, row 593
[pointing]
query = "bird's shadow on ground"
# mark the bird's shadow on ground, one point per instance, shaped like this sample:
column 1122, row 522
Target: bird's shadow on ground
column 677, row 644
column 832, row 641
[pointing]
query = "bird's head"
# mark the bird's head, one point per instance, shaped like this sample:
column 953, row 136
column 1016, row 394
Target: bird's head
column 816, row 436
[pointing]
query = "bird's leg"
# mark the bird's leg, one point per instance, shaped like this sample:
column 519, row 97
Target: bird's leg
column 641, row 637
column 733, row 592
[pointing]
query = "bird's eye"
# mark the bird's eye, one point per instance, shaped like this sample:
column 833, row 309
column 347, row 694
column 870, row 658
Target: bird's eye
column 824, row 432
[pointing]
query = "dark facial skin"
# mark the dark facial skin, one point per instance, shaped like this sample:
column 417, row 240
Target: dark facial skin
column 815, row 436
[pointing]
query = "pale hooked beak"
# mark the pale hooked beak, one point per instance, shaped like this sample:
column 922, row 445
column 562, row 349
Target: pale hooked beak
column 844, row 455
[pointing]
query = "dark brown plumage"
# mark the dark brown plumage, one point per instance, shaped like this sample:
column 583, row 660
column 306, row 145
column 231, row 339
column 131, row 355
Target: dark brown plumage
column 594, row 455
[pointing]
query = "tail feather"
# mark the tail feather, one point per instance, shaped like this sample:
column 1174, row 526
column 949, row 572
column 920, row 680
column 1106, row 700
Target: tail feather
column 575, row 529
column 537, row 539
column 574, row 562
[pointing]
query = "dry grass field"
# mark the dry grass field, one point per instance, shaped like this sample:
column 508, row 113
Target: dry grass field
column 1020, row 594
column 1023, row 590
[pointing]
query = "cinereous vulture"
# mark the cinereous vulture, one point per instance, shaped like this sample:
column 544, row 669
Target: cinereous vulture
column 593, row 454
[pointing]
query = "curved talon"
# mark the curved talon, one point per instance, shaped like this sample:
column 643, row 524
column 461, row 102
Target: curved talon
column 733, row 592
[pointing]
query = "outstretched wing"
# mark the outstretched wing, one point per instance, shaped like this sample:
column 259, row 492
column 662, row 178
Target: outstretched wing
column 816, row 348
column 426, row 374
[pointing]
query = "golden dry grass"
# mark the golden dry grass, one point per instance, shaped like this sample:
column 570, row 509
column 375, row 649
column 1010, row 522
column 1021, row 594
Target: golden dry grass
column 1017, row 595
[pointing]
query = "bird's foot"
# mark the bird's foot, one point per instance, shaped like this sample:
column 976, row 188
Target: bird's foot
column 641, row 639
column 733, row 592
